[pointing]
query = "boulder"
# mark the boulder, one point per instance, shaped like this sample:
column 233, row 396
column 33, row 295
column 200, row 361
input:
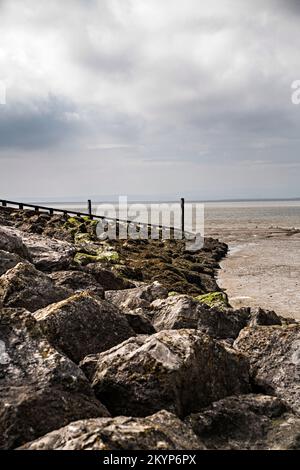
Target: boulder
column 223, row 324
column 77, row 281
column 138, row 297
column 11, row 241
column 175, row 312
column 217, row 300
column 48, row 254
column 136, row 304
column 40, row 389
column 177, row 370
column 274, row 354
column 264, row 318
column 161, row 431
column 284, row 433
column 26, row 287
column 139, row 322
column 83, row 324
column 8, row 261
column 182, row 311
column 106, row 278
column 238, row 422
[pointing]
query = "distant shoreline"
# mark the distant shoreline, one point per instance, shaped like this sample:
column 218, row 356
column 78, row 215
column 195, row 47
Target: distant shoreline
column 105, row 199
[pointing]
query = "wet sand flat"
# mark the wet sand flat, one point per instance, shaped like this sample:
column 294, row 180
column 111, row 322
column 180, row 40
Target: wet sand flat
column 262, row 268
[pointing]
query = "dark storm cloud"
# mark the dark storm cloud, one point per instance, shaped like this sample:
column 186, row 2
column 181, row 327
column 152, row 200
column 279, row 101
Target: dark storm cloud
column 291, row 6
column 37, row 125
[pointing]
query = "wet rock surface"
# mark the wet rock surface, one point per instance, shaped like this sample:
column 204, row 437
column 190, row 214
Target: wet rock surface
column 83, row 324
column 161, row 431
column 177, row 370
column 40, row 389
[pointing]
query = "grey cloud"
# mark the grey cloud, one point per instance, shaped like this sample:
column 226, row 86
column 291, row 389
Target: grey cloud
column 206, row 84
column 37, row 125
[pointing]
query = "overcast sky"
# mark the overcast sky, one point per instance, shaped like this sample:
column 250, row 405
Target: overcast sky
column 149, row 97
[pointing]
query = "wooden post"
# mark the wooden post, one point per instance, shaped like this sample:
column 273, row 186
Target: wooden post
column 89, row 207
column 182, row 217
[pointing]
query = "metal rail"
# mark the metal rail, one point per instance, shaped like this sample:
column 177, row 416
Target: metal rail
column 66, row 213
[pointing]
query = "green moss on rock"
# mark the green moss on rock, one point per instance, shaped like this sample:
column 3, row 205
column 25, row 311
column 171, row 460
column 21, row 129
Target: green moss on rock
column 103, row 256
column 82, row 238
column 173, row 293
column 214, row 299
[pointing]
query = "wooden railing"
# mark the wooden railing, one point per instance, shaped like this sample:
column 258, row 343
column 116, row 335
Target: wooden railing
column 179, row 232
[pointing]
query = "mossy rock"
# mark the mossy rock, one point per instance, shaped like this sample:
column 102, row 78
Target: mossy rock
column 128, row 273
column 214, row 299
column 82, row 238
column 90, row 222
column 173, row 293
column 83, row 259
column 73, row 222
column 103, row 256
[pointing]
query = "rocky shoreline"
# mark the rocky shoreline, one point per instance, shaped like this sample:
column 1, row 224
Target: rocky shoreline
column 132, row 345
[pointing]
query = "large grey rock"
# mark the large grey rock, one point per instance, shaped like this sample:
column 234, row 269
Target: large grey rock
column 241, row 422
column 139, row 322
column 182, row 311
column 138, row 297
column 8, row 261
column 107, row 278
column 40, row 389
column 160, row 431
column 264, row 318
column 26, row 287
column 284, row 434
column 274, row 354
column 177, row 370
column 136, row 304
column 11, row 241
column 77, row 281
column 83, row 325
column 48, row 254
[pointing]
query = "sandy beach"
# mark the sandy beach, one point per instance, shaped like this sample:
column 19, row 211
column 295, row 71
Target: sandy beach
column 262, row 268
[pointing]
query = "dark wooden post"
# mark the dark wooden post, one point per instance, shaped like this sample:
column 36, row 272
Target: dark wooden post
column 89, row 207
column 182, row 217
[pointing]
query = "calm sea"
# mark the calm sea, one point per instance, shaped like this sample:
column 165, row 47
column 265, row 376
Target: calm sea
column 218, row 215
